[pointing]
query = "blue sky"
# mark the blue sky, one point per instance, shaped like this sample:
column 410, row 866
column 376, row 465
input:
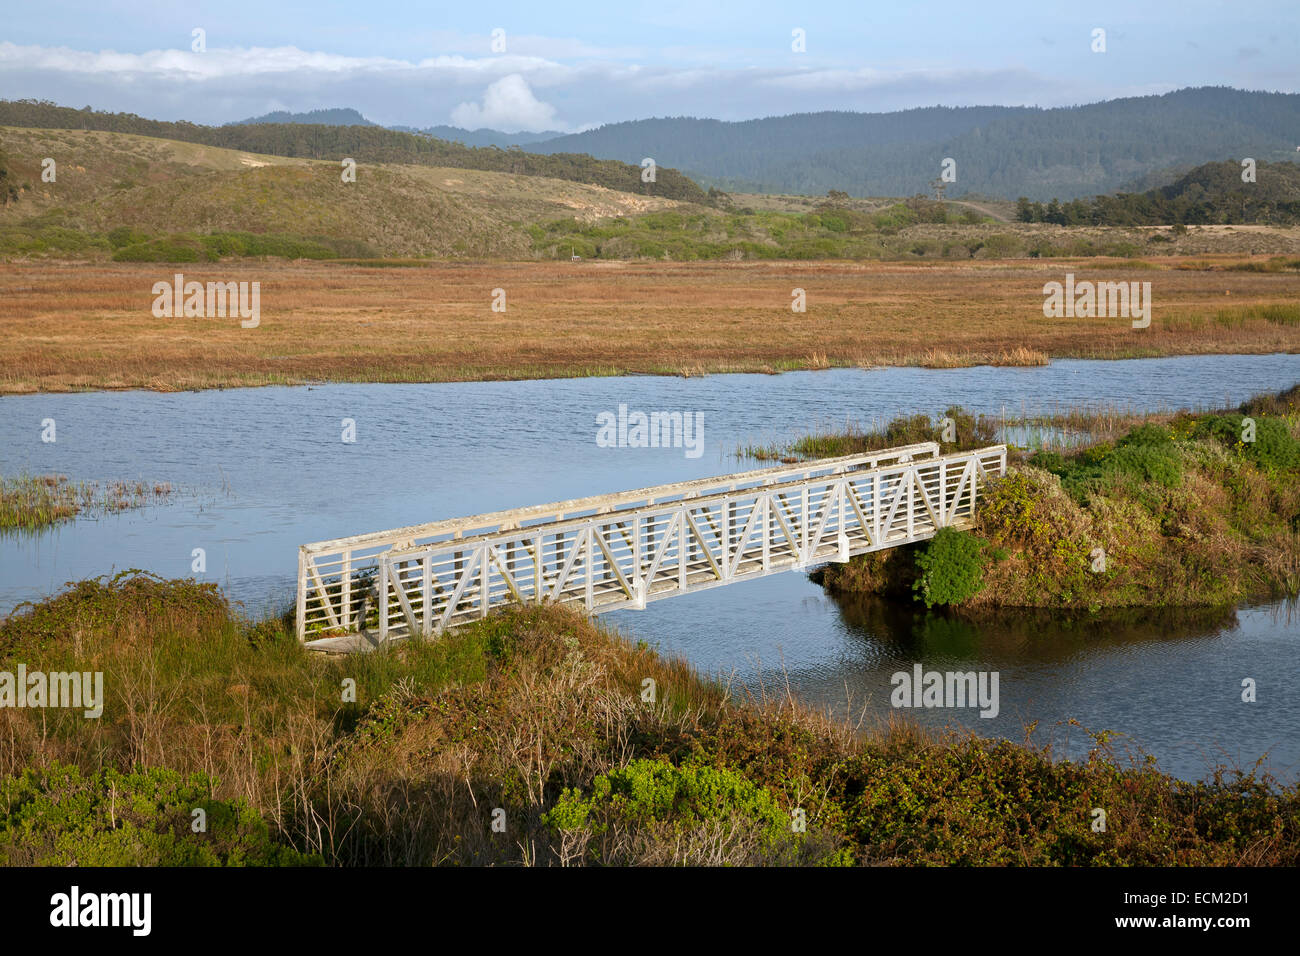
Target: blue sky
column 575, row 64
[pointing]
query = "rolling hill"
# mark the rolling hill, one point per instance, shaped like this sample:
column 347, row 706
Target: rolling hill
column 140, row 198
column 365, row 144
column 145, row 188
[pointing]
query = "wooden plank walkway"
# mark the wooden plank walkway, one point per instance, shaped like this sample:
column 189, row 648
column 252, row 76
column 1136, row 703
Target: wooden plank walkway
column 631, row 548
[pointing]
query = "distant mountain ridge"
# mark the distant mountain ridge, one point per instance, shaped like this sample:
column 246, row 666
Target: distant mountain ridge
column 1065, row 152
column 346, row 116
column 330, row 117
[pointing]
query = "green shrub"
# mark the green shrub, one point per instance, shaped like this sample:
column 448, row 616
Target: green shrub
column 659, row 799
column 55, row 816
column 1147, row 454
column 951, row 568
column 1002, row 246
column 1147, row 434
column 1147, row 463
column 171, row 249
column 835, row 222
column 117, row 609
column 1048, row 461
column 650, row 791
column 124, row 236
column 1273, row 447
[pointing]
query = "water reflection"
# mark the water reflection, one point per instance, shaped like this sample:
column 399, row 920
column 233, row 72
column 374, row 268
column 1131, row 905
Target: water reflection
column 1023, row 634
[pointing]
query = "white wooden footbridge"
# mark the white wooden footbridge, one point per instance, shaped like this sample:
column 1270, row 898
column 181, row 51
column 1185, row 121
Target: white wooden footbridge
column 625, row 550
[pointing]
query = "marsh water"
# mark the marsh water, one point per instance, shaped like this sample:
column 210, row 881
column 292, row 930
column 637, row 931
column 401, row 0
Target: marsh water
column 258, row 472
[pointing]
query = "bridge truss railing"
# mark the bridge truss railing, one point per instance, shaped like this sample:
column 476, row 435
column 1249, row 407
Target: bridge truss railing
column 626, row 550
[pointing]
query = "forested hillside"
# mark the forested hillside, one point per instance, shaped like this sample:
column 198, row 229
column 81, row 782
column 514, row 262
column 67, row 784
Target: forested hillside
column 482, row 137
column 806, row 153
column 365, row 144
column 999, row 151
column 1213, row 193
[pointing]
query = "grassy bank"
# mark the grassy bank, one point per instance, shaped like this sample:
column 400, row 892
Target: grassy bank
column 66, row 327
column 31, row 503
column 543, row 723
column 1167, row 509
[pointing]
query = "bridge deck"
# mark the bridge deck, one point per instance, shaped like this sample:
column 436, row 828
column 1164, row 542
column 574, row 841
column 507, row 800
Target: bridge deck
column 629, row 549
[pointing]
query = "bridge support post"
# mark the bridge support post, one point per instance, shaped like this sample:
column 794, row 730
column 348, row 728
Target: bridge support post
column 426, row 594
column 383, row 601
column 301, row 624
column 910, row 476
column 537, row 569
column 345, row 592
column 589, row 565
column 943, row 491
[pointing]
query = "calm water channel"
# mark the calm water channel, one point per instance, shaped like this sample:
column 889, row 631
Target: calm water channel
column 260, row 471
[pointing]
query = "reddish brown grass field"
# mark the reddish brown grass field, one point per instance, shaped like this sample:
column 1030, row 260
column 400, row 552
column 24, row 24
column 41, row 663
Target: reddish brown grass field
column 83, row 326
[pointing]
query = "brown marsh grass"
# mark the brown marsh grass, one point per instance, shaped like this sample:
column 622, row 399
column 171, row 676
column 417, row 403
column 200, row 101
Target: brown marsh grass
column 69, row 326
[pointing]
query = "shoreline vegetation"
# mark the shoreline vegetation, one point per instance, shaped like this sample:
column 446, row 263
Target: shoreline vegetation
column 537, row 720
column 1112, row 510
column 32, row 503
column 75, row 327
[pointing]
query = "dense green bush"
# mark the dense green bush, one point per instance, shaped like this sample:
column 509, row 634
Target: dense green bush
column 951, row 568
column 1147, row 434
column 124, row 236
column 651, row 791
column 136, row 247
column 1146, row 454
column 55, row 816
column 1273, row 447
column 159, row 250
column 44, row 235
column 1143, row 463
column 653, row 796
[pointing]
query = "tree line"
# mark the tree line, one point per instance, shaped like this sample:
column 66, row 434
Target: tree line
column 1214, row 193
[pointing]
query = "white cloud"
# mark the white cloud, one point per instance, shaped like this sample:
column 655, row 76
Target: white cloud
column 520, row 90
column 252, row 61
column 213, row 63
column 508, row 105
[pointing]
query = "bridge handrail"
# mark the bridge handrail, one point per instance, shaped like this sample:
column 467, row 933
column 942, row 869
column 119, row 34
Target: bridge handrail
column 652, row 495
column 563, row 524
